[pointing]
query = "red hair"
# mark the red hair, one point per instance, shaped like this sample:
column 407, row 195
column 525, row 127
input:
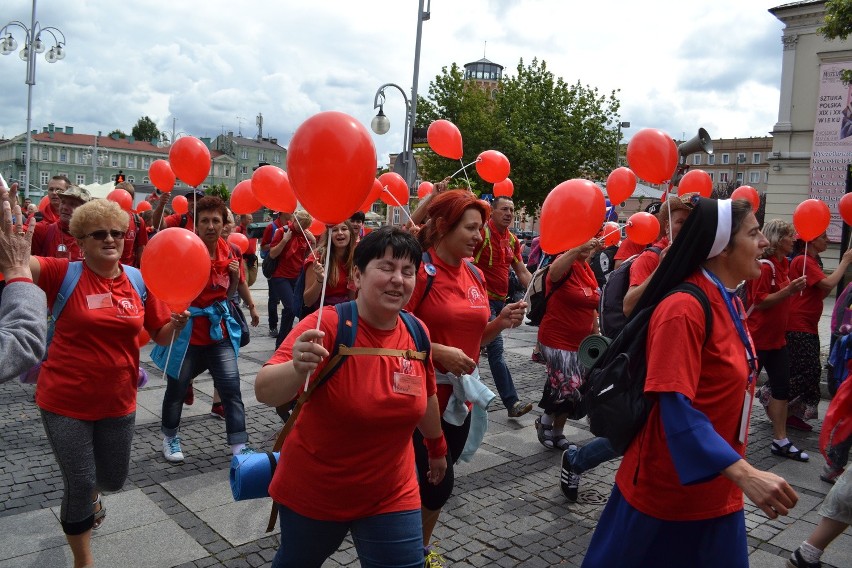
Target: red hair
column 448, row 206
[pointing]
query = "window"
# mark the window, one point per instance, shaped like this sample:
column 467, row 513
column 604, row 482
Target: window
column 79, row 157
column 696, row 160
column 22, row 179
column 754, row 177
column 726, row 158
column 131, row 179
column 741, row 158
column 63, row 156
column 81, row 179
column 131, row 162
column 24, row 155
column 113, row 160
column 243, row 169
column 723, row 177
column 740, row 178
column 276, row 158
column 45, row 153
column 146, row 162
column 711, row 159
column 712, row 175
column 99, row 178
column 146, row 180
column 396, row 215
column 766, row 177
column 45, row 179
column 205, row 187
column 244, row 154
column 261, row 156
column 755, row 158
column 227, row 171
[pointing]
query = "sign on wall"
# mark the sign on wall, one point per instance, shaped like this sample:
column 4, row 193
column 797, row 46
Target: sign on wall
column 832, row 149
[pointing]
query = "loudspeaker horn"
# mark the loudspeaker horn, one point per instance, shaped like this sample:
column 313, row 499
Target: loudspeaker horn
column 701, row 142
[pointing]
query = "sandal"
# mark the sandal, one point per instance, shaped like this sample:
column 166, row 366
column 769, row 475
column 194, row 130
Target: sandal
column 545, row 433
column 561, row 442
column 789, row 451
column 100, row 514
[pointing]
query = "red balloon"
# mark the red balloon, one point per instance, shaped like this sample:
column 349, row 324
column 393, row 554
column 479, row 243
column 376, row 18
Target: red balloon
column 190, row 160
column 143, row 338
column 122, row 197
column 445, row 139
column 176, row 267
column 811, row 218
column 696, row 181
column 317, row 228
column 374, row 194
column 642, row 228
column 620, row 185
column 331, row 162
column 750, row 194
column 845, row 208
column 394, row 189
column 162, row 176
column 243, row 201
column 652, row 155
column 180, row 205
column 492, row 166
column 424, row 189
column 240, row 241
column 271, row 187
column 572, row 213
column 143, row 206
column 504, row 188
column 611, row 234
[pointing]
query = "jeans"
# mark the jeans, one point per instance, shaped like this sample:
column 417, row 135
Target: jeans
column 391, row 539
column 220, row 359
column 497, row 364
column 597, row 451
column 284, row 288
column 272, row 306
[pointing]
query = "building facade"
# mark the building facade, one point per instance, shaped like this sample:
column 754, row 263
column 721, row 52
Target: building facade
column 735, row 162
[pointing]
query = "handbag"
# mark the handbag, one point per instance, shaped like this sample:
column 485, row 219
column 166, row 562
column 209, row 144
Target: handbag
column 268, row 266
column 238, row 315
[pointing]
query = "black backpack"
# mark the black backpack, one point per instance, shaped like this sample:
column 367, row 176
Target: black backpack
column 611, row 307
column 614, row 387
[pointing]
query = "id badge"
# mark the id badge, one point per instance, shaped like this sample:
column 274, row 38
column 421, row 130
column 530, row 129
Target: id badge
column 745, row 417
column 98, row 301
column 412, row 385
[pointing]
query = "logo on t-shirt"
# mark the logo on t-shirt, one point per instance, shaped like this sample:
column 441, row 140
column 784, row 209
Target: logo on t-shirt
column 475, row 297
column 127, row 308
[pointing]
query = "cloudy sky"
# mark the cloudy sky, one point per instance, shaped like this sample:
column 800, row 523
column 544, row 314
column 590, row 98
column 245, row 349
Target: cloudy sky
column 214, row 65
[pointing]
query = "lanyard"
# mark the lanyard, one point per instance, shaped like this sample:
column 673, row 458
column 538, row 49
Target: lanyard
column 736, row 317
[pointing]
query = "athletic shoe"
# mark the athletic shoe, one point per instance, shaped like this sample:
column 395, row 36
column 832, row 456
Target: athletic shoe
column 829, row 474
column 519, row 409
column 273, row 332
column 432, row 559
column 171, row 449
column 569, row 481
column 798, row 424
column 796, row 561
column 218, row 410
column 190, row 396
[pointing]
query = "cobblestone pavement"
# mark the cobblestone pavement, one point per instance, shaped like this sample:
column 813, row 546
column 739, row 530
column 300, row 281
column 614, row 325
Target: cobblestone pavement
column 506, row 510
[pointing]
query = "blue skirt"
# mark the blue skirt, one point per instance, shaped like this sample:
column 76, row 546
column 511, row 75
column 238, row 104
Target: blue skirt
column 626, row 537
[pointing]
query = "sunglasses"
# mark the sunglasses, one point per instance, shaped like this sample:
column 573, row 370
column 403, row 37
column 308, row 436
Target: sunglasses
column 102, row 234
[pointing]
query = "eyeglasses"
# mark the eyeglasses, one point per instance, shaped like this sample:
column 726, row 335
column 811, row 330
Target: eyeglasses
column 101, row 235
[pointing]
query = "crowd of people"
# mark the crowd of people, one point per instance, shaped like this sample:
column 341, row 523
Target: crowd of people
column 394, row 354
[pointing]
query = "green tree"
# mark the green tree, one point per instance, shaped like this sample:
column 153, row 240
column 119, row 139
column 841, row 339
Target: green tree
column 838, row 25
column 117, row 132
column 550, row 131
column 145, row 129
column 219, row 190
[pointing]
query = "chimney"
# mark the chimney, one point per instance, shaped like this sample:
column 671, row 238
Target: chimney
column 69, row 130
column 43, row 129
column 230, row 134
column 130, row 139
column 274, row 140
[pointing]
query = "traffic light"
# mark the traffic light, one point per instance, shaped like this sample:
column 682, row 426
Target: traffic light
column 120, row 177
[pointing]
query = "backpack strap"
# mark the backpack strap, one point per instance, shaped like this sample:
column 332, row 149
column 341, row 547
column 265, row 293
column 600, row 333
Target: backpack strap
column 135, row 277
column 184, row 221
column 69, row 282
column 430, row 278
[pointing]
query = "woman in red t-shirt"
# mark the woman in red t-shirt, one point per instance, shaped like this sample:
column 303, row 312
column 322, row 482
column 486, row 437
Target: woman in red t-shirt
column 768, row 301
column 87, row 385
column 571, row 315
column 802, row 329
column 290, row 247
column 340, row 287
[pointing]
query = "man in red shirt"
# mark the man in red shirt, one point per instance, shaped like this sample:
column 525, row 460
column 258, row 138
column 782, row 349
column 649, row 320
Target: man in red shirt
column 279, row 223
column 498, row 251
column 137, row 233
column 54, row 239
column 51, row 212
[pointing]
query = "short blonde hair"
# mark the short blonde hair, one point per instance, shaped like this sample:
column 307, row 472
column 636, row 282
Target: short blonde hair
column 96, row 212
column 774, row 231
column 126, row 186
column 303, row 218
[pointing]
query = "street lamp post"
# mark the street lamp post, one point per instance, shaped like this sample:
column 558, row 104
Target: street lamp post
column 97, row 156
column 380, row 123
column 621, row 125
column 32, row 44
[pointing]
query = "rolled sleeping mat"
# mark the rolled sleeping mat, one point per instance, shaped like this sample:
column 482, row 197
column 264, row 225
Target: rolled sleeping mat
column 251, row 475
column 592, row 348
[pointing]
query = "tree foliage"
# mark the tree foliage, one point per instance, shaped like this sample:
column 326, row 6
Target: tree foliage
column 219, row 190
column 145, row 129
column 117, row 132
column 838, row 25
column 550, row 131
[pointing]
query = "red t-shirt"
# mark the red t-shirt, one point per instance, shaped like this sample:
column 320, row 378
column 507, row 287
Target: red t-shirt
column 174, row 220
column 767, row 327
column 570, row 314
column 276, row 225
column 495, row 257
column 455, row 311
column 48, row 216
column 646, row 263
column 47, row 238
column 806, row 306
column 214, row 291
column 92, row 369
column 713, row 375
column 341, row 289
column 252, row 247
column 627, row 249
column 134, row 239
column 292, row 256
column 320, row 477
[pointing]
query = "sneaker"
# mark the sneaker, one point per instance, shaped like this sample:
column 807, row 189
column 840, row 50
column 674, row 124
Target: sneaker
column 796, row 561
column 218, row 410
column 190, row 396
column 432, row 559
column 829, row 474
column 519, row 409
column 171, row 449
column 798, row 424
column 273, row 332
column 569, row 481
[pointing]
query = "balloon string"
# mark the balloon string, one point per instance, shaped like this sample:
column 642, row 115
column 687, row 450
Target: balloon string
column 529, row 286
column 398, row 204
column 804, row 266
column 169, row 353
column 322, row 293
column 617, row 230
column 670, row 221
column 464, row 170
column 304, row 234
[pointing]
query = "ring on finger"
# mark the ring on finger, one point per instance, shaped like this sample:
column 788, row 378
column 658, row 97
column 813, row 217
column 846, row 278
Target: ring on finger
column 302, row 356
